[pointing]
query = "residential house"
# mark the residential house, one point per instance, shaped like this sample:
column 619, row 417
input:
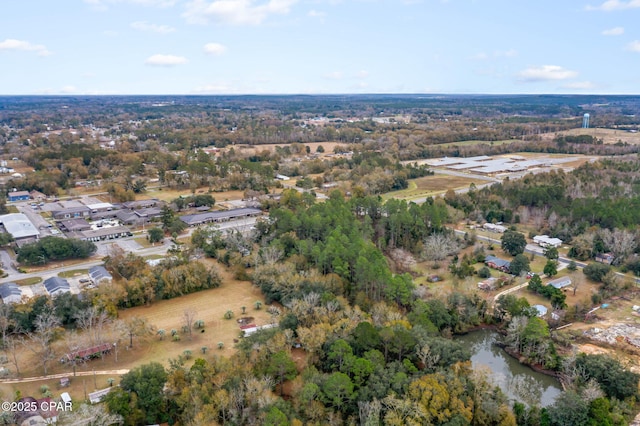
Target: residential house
column 18, row 196
column 55, row 286
column 497, row 263
column 606, row 258
column 10, row 293
column 99, row 274
column 560, row 282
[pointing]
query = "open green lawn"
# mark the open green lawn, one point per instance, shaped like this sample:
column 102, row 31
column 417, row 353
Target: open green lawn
column 29, row 281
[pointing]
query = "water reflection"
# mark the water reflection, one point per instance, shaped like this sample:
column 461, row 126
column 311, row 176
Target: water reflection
column 518, row 382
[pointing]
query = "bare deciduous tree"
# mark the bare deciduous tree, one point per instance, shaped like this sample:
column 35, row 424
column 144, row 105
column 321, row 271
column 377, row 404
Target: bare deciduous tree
column 620, row 242
column 188, row 318
column 40, row 340
column 438, row 246
column 93, row 321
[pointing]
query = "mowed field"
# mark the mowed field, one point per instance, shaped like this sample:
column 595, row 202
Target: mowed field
column 608, row 136
column 432, row 185
column 210, row 306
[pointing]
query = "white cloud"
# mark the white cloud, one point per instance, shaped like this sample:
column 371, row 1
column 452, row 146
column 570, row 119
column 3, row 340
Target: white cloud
column 165, row 60
column 235, row 12
column 610, row 5
column 215, row 49
column 546, row 73
column 13, row 44
column 336, row 75
column 103, row 4
column 580, row 85
column 316, row 14
column 152, row 28
column 362, row 74
column 69, row 89
column 616, row 31
column 634, row 46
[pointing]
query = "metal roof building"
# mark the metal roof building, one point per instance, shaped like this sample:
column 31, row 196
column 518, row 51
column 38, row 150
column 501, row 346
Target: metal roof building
column 560, row 282
column 19, row 226
column 219, row 216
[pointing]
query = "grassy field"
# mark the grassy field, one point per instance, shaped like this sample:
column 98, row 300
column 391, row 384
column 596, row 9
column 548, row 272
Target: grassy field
column 608, row 136
column 73, row 273
column 29, row 281
column 210, row 306
column 431, row 185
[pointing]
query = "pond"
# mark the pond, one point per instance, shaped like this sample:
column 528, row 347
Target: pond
column 517, row 381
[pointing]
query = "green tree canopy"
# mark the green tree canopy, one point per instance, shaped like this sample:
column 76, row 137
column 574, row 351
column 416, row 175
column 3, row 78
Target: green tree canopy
column 513, row 242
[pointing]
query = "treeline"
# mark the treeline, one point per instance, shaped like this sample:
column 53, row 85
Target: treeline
column 137, row 283
column 49, row 249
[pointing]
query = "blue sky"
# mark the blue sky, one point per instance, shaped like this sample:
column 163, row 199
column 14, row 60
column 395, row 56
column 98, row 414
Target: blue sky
column 319, row 46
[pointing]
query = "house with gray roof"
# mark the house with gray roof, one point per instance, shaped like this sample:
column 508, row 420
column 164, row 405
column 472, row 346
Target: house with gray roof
column 99, row 274
column 560, row 282
column 10, row 293
column 55, row 286
column 497, row 263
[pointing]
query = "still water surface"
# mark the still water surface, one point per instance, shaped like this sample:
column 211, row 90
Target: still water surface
column 517, row 381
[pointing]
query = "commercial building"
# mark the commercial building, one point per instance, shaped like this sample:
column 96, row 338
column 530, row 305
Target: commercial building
column 19, row 226
column 106, row 233
column 218, row 216
column 71, row 212
column 546, row 241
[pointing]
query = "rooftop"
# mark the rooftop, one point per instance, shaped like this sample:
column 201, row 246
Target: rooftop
column 19, row 225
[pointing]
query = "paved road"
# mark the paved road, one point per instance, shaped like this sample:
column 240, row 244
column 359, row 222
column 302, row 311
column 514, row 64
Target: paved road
column 62, row 375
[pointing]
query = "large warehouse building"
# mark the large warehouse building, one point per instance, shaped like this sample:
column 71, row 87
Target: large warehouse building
column 19, row 226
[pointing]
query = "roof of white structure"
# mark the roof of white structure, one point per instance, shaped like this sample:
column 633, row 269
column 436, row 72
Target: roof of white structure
column 19, row 225
column 447, row 161
column 100, row 206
